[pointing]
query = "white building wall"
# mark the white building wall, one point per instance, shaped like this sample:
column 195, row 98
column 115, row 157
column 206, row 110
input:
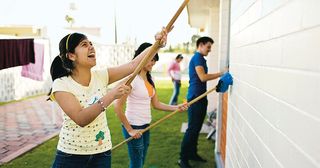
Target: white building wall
column 273, row 117
column 223, row 55
column 213, row 57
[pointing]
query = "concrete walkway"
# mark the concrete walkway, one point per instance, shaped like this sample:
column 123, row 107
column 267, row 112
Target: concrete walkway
column 26, row 124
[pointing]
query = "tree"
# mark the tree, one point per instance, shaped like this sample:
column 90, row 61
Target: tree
column 70, row 20
column 194, row 39
column 100, row 137
column 184, row 47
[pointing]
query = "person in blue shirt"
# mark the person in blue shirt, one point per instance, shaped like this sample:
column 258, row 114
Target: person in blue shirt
column 198, row 77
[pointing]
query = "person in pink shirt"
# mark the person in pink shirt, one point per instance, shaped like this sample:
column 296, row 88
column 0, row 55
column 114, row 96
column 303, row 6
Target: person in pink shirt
column 138, row 111
column 175, row 74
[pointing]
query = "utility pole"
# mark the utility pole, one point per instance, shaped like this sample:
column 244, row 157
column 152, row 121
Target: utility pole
column 115, row 23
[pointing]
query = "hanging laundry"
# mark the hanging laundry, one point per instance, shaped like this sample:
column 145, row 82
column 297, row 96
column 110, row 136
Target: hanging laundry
column 16, row 52
column 35, row 71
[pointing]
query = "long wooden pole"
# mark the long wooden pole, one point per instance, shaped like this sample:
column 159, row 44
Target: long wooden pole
column 155, row 47
column 164, row 118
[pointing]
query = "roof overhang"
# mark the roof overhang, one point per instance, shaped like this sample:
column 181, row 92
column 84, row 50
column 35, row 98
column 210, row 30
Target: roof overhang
column 198, row 12
column 24, row 30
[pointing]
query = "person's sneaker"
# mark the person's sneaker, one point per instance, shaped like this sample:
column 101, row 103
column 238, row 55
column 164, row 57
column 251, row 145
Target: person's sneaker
column 198, row 158
column 183, row 164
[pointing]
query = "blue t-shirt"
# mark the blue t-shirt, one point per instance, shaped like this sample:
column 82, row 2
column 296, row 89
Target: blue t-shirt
column 196, row 87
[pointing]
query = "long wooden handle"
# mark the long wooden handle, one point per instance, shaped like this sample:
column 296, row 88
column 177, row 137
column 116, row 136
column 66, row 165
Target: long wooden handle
column 156, row 46
column 174, row 18
column 164, row 118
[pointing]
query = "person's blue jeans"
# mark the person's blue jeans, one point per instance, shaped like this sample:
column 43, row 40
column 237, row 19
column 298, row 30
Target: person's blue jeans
column 137, row 148
column 65, row 160
column 176, row 91
column 196, row 115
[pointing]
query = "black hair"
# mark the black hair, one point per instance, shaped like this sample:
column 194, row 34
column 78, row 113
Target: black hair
column 204, row 40
column 141, row 48
column 179, row 56
column 61, row 65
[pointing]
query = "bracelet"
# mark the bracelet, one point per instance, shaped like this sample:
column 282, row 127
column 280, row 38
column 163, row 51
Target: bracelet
column 103, row 108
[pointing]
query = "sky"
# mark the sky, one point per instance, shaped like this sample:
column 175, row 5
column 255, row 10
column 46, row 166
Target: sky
column 137, row 20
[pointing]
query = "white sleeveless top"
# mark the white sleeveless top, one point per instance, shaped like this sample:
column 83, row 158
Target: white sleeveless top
column 138, row 111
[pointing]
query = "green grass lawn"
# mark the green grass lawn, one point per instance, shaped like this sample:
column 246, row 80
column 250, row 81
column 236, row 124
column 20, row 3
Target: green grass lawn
column 164, row 144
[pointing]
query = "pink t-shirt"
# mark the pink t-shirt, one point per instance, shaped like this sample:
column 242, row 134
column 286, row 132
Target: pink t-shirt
column 174, row 70
column 138, row 111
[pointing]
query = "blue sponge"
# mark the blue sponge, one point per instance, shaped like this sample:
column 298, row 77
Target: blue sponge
column 224, row 82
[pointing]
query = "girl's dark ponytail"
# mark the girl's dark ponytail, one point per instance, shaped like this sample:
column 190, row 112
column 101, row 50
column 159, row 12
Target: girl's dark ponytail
column 57, row 69
column 149, row 78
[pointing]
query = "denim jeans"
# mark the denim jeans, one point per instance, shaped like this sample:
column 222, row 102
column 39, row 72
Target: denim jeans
column 65, row 160
column 137, row 148
column 196, row 114
column 175, row 94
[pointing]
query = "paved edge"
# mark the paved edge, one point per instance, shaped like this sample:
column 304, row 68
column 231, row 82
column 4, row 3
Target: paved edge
column 27, row 148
